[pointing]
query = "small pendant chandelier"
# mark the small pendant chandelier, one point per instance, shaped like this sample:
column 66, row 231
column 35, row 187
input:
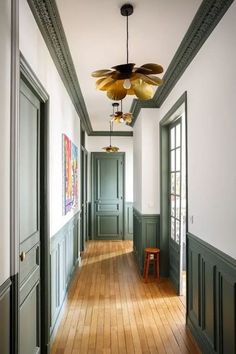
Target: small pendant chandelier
column 126, row 79
column 111, row 148
column 119, row 116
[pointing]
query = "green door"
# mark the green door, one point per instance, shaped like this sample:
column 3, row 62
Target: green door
column 29, row 277
column 107, row 196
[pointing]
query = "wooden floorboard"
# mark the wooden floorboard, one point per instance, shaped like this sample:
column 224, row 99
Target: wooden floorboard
column 111, row 310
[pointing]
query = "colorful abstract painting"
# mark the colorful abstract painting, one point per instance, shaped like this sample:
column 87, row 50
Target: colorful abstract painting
column 70, row 174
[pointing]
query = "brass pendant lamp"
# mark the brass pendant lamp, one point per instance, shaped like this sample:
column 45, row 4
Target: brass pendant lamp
column 119, row 116
column 111, row 148
column 126, row 79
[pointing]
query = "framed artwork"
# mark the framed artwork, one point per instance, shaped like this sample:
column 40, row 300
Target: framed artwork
column 70, row 174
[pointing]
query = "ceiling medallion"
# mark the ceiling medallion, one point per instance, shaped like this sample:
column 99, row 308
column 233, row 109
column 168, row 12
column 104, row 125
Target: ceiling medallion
column 119, row 116
column 126, row 79
column 111, row 148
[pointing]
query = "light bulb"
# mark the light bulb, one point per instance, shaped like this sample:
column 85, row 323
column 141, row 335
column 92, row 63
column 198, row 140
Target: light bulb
column 127, row 84
column 121, row 120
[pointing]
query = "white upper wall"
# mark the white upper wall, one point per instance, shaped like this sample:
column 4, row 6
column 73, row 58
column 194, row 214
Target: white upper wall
column 5, row 65
column 210, row 84
column 146, row 152
column 96, row 143
column 62, row 116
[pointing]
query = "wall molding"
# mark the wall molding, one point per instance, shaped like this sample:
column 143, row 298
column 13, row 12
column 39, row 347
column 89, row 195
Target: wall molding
column 5, row 323
column 64, row 258
column 146, row 233
column 107, row 133
column 211, row 295
column 128, row 216
column 48, row 20
column 206, row 19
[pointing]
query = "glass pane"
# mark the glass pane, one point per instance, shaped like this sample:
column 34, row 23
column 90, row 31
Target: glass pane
column 172, row 183
column 177, row 231
column 178, row 183
column 172, row 138
column 178, row 135
column 178, row 159
column 177, row 207
column 172, row 205
column 172, row 158
column 172, row 228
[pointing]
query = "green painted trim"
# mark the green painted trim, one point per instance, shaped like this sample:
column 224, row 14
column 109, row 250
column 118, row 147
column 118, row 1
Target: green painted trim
column 33, row 82
column 114, row 133
column 146, row 233
column 48, row 20
column 164, row 167
column 206, row 19
column 128, row 221
column 211, row 290
column 64, row 259
column 5, row 323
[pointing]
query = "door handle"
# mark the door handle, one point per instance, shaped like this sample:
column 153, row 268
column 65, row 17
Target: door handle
column 22, row 256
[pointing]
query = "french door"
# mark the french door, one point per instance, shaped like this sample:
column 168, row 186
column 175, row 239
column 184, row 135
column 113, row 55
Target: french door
column 177, row 202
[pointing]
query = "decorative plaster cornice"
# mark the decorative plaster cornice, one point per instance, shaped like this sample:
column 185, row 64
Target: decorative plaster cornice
column 207, row 17
column 48, row 19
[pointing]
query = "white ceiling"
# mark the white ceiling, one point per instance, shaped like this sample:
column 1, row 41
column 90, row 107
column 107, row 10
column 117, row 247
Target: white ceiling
column 96, row 34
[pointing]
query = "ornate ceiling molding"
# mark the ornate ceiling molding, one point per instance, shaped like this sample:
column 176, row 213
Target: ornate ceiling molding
column 48, row 19
column 207, row 17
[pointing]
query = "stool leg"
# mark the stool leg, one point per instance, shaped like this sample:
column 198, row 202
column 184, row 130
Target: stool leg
column 158, row 266
column 147, row 267
column 155, row 266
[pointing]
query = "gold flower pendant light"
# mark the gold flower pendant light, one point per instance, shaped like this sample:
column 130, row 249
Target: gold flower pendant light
column 119, row 116
column 111, row 148
column 126, row 79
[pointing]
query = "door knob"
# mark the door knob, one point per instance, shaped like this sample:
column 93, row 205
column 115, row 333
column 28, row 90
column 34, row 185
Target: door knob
column 22, row 256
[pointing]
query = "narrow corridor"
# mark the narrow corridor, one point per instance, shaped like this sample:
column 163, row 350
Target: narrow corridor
column 111, row 310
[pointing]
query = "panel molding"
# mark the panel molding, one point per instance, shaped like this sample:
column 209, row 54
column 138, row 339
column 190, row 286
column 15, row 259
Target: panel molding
column 5, row 323
column 206, row 19
column 211, row 295
column 146, row 233
column 64, row 258
column 128, row 221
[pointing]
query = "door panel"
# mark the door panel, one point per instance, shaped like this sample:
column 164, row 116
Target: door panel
column 29, row 222
column 108, row 199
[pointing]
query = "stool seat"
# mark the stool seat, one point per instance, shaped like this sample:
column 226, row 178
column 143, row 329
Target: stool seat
column 152, row 254
column 152, row 250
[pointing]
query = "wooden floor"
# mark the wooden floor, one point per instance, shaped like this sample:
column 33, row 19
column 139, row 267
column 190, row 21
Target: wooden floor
column 111, row 310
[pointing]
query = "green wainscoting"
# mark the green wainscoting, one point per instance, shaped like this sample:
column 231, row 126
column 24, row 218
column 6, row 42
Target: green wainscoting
column 128, row 221
column 211, row 311
column 64, row 254
column 146, row 233
column 5, row 317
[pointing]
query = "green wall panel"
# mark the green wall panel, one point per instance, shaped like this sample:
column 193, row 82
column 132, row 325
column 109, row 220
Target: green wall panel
column 64, row 256
column 211, row 294
column 146, row 233
column 5, row 317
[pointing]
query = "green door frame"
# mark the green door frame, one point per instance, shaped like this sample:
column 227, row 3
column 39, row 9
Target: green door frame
column 92, row 219
column 164, row 179
column 29, row 77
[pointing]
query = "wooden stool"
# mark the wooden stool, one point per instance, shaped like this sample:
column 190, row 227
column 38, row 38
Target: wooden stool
column 152, row 254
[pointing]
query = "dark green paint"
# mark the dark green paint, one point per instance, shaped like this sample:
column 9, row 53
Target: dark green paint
column 211, row 292
column 28, row 76
column 114, row 133
column 84, row 198
column 164, row 168
column 108, row 173
column 64, row 256
column 146, row 233
column 207, row 17
column 128, row 221
column 5, row 316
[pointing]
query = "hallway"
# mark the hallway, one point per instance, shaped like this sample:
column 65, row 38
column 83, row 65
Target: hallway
column 111, row 310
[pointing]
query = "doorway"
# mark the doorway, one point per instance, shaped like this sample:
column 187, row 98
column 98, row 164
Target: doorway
column 108, row 196
column 84, row 199
column 174, row 193
column 34, row 258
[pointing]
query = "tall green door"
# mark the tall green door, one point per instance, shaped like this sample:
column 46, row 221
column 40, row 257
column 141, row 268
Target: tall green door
column 108, row 195
column 29, row 258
